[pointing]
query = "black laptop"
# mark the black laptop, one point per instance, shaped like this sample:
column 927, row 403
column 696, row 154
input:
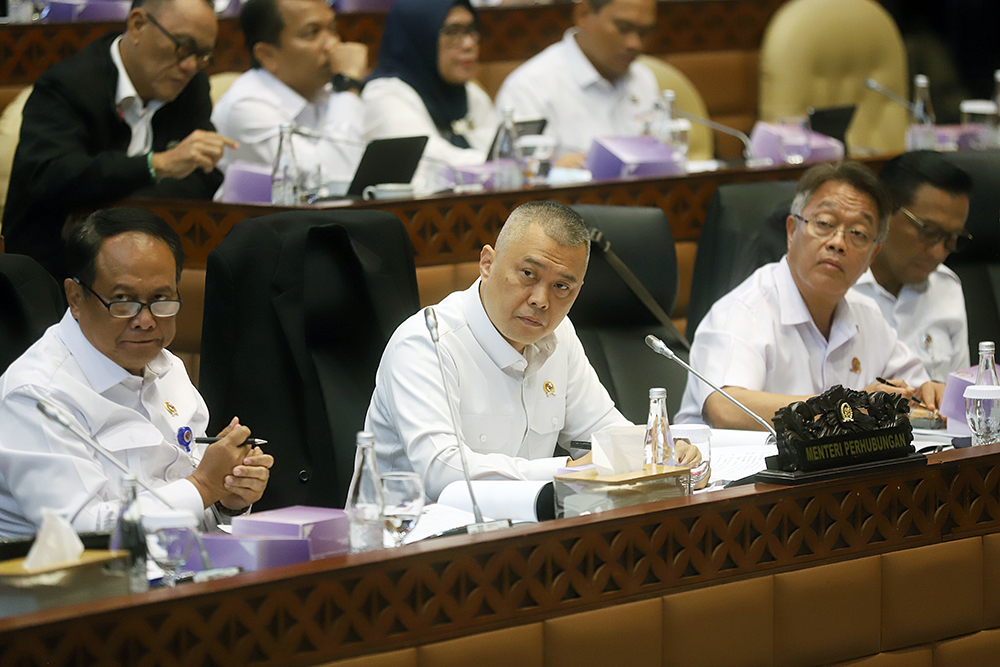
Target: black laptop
column 523, row 127
column 832, row 121
column 387, row 161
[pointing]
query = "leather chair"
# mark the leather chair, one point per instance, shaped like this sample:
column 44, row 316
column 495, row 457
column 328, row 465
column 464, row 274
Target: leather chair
column 613, row 323
column 298, row 309
column 10, row 133
column 818, row 53
column 978, row 265
column 744, row 229
column 30, row 302
column 688, row 99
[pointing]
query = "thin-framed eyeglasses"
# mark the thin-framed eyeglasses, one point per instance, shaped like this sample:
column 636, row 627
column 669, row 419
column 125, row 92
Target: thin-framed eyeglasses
column 186, row 47
column 454, row 34
column 126, row 310
column 858, row 238
column 930, row 235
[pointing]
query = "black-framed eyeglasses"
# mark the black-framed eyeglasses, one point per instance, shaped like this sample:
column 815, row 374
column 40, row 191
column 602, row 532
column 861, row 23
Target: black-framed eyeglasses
column 454, row 33
column 858, row 238
column 186, row 47
column 930, row 234
column 126, row 310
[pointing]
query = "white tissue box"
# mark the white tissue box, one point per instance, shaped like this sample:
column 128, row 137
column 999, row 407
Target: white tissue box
column 587, row 492
column 97, row 574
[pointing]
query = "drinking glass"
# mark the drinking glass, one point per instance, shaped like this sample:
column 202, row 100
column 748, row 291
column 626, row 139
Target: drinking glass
column 170, row 536
column 403, row 493
column 536, row 156
column 700, row 436
column 793, row 139
column 982, row 410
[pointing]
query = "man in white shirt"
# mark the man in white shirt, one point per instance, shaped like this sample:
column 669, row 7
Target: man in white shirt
column 920, row 297
column 793, row 329
column 105, row 366
column 588, row 84
column 127, row 115
column 516, row 371
column 303, row 75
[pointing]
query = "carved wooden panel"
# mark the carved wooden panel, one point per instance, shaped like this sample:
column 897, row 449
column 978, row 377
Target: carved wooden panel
column 346, row 606
column 511, row 33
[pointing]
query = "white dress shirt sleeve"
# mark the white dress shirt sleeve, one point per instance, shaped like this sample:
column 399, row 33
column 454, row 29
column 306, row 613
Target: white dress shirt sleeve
column 414, row 399
column 45, row 465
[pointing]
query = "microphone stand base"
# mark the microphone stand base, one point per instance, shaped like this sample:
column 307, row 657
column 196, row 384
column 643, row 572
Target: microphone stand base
column 488, row 526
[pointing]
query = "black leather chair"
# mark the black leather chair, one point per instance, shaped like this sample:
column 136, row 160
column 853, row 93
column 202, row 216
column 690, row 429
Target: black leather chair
column 978, row 265
column 298, row 308
column 30, row 302
column 744, row 229
column 613, row 323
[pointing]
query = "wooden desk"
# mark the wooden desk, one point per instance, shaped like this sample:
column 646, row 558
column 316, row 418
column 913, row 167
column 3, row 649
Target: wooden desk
column 353, row 605
column 449, row 229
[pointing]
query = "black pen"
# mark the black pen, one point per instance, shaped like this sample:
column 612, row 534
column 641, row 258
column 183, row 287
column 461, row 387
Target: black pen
column 912, row 398
column 253, row 442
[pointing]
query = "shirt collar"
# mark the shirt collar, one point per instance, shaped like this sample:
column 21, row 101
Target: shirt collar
column 125, row 93
column 287, row 97
column 793, row 308
column 496, row 347
column 102, row 373
column 581, row 69
column 868, row 278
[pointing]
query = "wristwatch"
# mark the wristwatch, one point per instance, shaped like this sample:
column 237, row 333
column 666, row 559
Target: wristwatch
column 343, row 83
column 228, row 512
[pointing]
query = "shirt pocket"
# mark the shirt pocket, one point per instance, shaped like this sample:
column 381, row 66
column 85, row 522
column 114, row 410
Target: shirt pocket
column 486, row 434
column 549, row 416
column 132, row 444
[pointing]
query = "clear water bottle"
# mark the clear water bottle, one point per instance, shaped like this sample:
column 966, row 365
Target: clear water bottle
column 987, row 374
column 921, row 134
column 285, row 173
column 982, row 401
column 996, row 100
column 130, row 536
column 506, row 156
column 668, row 128
column 659, row 446
column 365, row 506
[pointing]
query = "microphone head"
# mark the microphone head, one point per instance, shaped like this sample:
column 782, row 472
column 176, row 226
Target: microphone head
column 53, row 413
column 871, row 83
column 658, row 346
column 430, row 318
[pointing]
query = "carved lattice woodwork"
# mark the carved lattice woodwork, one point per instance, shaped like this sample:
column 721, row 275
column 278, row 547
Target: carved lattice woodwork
column 353, row 605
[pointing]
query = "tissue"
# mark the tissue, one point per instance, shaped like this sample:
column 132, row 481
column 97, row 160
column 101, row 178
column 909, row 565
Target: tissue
column 56, row 542
column 618, row 449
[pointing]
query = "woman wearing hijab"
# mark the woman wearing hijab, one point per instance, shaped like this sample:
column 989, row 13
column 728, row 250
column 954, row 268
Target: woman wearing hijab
column 423, row 83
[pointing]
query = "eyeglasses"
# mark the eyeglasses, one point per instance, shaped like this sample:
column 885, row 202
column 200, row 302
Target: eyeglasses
column 186, row 47
column 858, row 238
column 126, row 310
column 930, row 235
column 454, row 33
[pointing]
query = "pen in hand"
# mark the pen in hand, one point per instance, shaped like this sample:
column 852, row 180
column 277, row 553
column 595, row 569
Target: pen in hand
column 912, row 398
column 253, row 442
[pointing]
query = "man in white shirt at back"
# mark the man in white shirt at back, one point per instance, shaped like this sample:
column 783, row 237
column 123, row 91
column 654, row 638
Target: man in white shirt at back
column 588, row 84
column 303, row 75
column 920, row 297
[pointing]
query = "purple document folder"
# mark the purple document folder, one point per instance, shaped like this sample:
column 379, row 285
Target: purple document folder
column 323, row 527
column 250, row 553
column 632, row 157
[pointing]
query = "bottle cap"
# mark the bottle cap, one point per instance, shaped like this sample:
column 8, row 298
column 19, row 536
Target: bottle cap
column 365, row 438
column 920, row 80
column 669, row 95
column 996, row 75
column 986, row 346
column 657, row 392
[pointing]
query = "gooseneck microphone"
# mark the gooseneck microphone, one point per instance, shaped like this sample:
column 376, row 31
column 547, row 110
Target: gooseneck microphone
column 661, row 348
column 872, row 84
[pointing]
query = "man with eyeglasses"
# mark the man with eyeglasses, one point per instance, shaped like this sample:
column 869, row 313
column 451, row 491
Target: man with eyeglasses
column 794, row 328
column 301, row 74
column 127, row 115
column 589, row 84
column 920, row 297
column 106, row 367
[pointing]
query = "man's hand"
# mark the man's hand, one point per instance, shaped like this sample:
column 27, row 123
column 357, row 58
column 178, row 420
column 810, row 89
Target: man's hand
column 219, row 461
column 199, row 150
column 894, row 386
column 931, row 394
column 349, row 59
column 686, row 454
column 247, row 482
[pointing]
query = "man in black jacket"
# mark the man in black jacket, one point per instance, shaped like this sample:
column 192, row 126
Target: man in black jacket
column 128, row 115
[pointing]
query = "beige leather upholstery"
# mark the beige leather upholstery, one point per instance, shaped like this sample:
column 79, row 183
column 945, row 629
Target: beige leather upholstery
column 10, row 132
column 688, row 99
column 219, row 84
column 818, row 53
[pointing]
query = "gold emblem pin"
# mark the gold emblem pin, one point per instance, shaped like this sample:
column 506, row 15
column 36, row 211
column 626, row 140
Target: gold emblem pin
column 550, row 389
column 170, row 408
column 846, row 413
column 855, row 365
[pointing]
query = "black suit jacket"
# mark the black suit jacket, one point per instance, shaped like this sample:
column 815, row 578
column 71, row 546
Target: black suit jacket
column 298, row 309
column 71, row 152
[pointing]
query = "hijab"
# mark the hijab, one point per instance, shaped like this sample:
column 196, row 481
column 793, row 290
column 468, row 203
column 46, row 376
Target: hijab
column 409, row 52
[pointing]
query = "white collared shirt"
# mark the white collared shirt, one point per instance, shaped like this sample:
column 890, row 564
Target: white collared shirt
column 929, row 317
column 137, row 418
column 561, row 85
column 760, row 336
column 258, row 103
column 130, row 107
column 513, row 408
